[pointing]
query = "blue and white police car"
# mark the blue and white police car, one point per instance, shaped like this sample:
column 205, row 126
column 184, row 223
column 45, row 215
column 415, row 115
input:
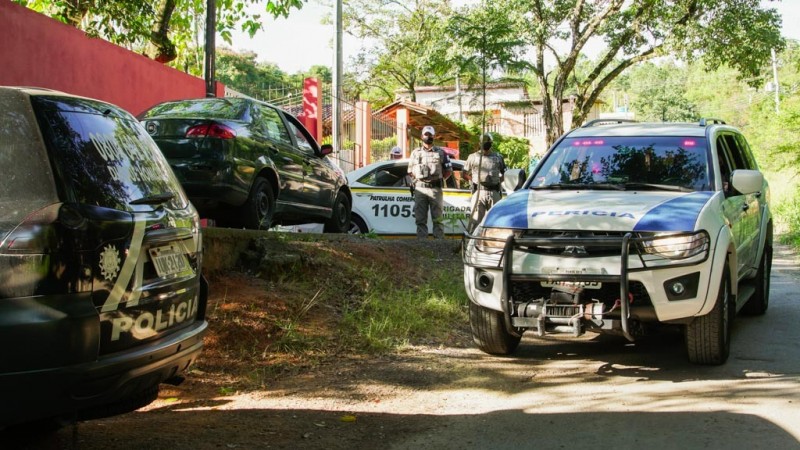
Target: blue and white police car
column 622, row 227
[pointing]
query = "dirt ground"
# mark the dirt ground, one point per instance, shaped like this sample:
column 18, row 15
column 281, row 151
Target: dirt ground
column 554, row 392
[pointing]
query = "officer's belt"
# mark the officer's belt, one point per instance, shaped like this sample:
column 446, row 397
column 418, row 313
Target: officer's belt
column 491, row 187
column 430, row 184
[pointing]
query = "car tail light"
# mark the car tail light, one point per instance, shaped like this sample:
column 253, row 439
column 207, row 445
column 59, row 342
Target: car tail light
column 213, row 130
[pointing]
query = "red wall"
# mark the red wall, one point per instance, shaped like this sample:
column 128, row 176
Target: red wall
column 38, row 51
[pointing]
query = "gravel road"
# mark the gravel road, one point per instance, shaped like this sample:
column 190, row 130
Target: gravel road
column 591, row 392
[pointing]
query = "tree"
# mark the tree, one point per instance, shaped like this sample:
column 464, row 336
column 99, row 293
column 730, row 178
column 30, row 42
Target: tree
column 158, row 28
column 240, row 71
column 660, row 92
column 483, row 43
column 738, row 32
column 408, row 45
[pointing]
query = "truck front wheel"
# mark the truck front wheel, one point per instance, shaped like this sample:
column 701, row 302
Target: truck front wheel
column 489, row 331
column 708, row 338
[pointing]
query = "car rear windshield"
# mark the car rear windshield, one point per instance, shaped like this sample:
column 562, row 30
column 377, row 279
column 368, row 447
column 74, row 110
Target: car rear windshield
column 27, row 181
column 104, row 157
column 215, row 108
column 627, row 162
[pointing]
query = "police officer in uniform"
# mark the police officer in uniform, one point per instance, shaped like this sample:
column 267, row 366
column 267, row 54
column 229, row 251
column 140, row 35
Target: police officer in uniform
column 429, row 167
column 485, row 170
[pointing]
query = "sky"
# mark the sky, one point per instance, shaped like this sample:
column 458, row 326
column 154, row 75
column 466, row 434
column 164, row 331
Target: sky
column 299, row 41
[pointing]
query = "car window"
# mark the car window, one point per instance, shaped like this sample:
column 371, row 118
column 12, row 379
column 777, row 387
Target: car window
column 274, row 126
column 215, row 108
column 663, row 160
column 725, row 164
column 301, row 135
column 102, row 155
column 734, row 152
column 386, row 176
column 744, row 147
column 27, row 181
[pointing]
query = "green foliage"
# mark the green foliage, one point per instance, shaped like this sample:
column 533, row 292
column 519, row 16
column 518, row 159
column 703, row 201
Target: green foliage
column 241, row 72
column 789, row 214
column 381, row 147
column 484, row 43
column 661, row 93
column 633, row 32
column 408, row 47
column 515, row 151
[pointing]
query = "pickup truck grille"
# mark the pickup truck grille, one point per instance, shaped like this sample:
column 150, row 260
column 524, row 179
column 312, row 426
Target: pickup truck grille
column 571, row 250
column 525, row 291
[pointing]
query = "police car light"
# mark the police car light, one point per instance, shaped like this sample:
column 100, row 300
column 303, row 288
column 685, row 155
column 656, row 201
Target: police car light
column 587, row 142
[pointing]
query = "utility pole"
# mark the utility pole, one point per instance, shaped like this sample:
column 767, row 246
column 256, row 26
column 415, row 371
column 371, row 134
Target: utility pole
column 337, row 79
column 211, row 31
column 777, row 86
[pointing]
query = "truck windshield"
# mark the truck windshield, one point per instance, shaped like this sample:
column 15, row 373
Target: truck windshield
column 626, row 162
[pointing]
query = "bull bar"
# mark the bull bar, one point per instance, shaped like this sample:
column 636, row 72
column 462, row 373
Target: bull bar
column 475, row 257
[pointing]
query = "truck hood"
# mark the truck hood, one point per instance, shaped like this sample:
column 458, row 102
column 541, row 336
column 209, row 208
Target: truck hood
column 599, row 210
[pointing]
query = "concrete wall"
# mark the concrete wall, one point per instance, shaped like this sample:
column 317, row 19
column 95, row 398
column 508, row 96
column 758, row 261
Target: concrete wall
column 39, row 51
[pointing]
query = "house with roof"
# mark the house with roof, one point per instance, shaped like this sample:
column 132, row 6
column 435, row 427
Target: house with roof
column 510, row 111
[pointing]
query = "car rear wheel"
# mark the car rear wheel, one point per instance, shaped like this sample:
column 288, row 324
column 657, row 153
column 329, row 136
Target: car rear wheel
column 260, row 206
column 708, row 339
column 759, row 302
column 340, row 218
column 357, row 226
column 489, row 331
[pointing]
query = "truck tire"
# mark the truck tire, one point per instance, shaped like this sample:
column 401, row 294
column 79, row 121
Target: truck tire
column 489, row 331
column 708, row 338
column 257, row 212
column 340, row 216
column 759, row 302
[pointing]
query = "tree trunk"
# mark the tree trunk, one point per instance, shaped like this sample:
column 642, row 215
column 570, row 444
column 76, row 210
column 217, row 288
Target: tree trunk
column 76, row 11
column 160, row 47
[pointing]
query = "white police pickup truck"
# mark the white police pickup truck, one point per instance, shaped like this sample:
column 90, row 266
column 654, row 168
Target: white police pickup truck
column 622, row 227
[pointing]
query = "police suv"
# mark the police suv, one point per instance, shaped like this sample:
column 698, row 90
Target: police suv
column 101, row 292
column 621, row 227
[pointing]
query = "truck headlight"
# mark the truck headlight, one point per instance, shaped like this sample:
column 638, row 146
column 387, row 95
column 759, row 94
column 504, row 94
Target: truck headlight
column 493, row 238
column 677, row 247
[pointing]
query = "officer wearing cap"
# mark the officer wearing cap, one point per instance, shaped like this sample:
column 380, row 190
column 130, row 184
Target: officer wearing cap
column 429, row 167
column 485, row 169
column 396, row 153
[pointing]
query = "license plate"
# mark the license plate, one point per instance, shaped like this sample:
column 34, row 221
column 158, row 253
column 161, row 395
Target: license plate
column 169, row 260
column 583, row 284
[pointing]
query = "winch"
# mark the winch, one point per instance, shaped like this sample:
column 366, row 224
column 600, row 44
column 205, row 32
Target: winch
column 563, row 312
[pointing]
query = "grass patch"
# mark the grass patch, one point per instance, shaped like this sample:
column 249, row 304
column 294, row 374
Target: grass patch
column 293, row 304
column 389, row 317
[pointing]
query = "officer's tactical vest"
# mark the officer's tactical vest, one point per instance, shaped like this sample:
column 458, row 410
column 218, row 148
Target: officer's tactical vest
column 427, row 165
column 489, row 171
